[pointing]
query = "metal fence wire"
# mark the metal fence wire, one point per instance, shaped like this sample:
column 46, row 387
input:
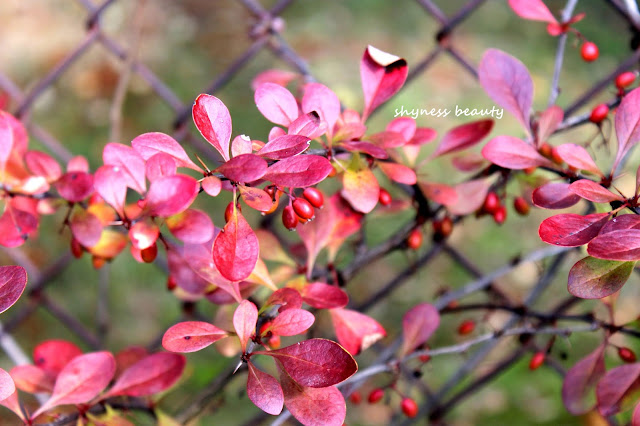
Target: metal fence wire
column 267, row 33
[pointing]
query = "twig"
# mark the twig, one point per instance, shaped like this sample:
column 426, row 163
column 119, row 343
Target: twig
column 562, row 42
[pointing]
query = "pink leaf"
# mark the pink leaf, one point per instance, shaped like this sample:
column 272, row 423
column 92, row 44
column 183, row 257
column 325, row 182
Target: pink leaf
column 366, row 147
column 406, row 126
column 75, row 186
column 130, row 162
column 355, row 331
column 53, row 355
column 191, row 226
column 534, row 10
column 292, row 322
column 549, row 121
column 360, row 188
column 212, row 185
column 78, row 164
column 191, row 336
column 110, row 183
column 129, row 356
column 622, row 245
column 245, row 319
column 152, row 374
column 571, row 230
column 439, row 192
column 236, row 249
column 387, row 139
column 256, row 198
column 554, row 196
column 284, row 146
column 319, row 98
column 7, row 387
column 580, row 381
column 41, row 164
column 32, row 379
column 299, row 171
column 589, row 190
column 244, row 168
column 627, row 124
column 418, row 324
column 241, row 145
column 398, row 172
column 143, row 234
column 513, row 153
column 149, row 144
column 276, row 103
column 171, row 195
column 280, row 77
column 159, row 165
column 13, row 280
column 463, row 137
column 315, row 363
column 6, row 139
column 199, row 259
column 507, row 81
column 592, row 278
column 324, row 296
column 213, row 120
column 615, row 387
column 86, row 228
column 286, row 298
column 382, row 75
column 471, row 195
column 81, row 380
column 264, row 391
column 15, row 226
column 309, row 125
column 578, row 157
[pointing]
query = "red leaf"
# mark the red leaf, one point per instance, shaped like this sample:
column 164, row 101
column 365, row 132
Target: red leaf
column 418, row 324
column 86, row 228
column 622, row 245
column 13, row 280
column 360, row 186
column 554, row 196
column 110, row 183
column 199, row 259
column 291, row 322
column 309, row 125
column 160, row 165
column 592, row 278
column 236, row 249
column 32, row 379
column 439, row 192
column 15, row 226
column 7, row 387
column 398, row 172
column 191, row 336
column 355, row 331
column 144, row 233
column 324, row 296
column 471, row 195
column 53, row 355
column 615, row 387
column 244, row 168
column 534, row 10
column 213, row 120
column 150, row 375
column 589, row 190
column 463, row 137
column 276, row 103
column 571, row 230
column 264, row 391
column 130, row 162
column 319, row 98
column 627, row 124
column 366, row 147
column 6, row 139
column 299, row 171
column 171, row 195
column 580, row 381
column 287, row 298
column 625, row 221
column 578, row 157
column 549, row 121
column 468, row 162
column 191, row 226
column 387, row 139
column 245, row 319
column 41, row 164
column 406, row 126
column 256, row 198
column 280, row 77
column 212, row 185
column 75, row 186
column 382, row 75
column 129, row 356
column 507, row 81
column 241, row 145
column 513, row 153
column 81, row 380
column 315, row 363
column 149, row 144
column 284, row 146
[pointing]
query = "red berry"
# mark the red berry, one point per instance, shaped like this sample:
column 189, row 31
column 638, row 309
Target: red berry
column 545, row 150
column 599, row 113
column 303, row 208
column 414, row 240
column 289, row 218
column 446, row 226
column 424, row 358
column 627, row 355
column 149, row 254
column 98, row 262
column 76, row 248
column 589, row 51
column 384, row 197
column 466, row 327
column 171, row 283
column 314, row 197
column 625, row 79
column 536, row 360
column 500, row 215
column 409, row 407
column 355, row 397
column 555, row 156
column 521, row 206
column 376, row 395
column 491, row 203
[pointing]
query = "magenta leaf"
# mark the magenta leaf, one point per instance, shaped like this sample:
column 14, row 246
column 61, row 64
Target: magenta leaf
column 286, row 298
column 75, row 186
column 171, row 195
column 398, row 172
column 152, row 374
column 81, row 380
column 213, row 120
column 463, row 137
column 143, row 234
column 149, row 144
column 86, row 228
column 578, row 157
column 627, row 124
column 13, row 280
column 534, row 10
column 439, row 192
column 191, row 336
column 212, row 185
column 7, row 387
column 6, row 139
column 41, row 164
column 616, row 387
column 276, row 103
column 592, row 278
column 244, row 168
column 572, row 230
column 387, row 139
column 548, row 123
column 245, row 319
column 53, row 355
column 264, row 390
column 319, row 98
column 513, row 153
column 589, row 190
column 315, row 363
column 78, row 164
column 580, row 382
column 507, row 81
column 236, row 249
column 198, row 258
column 324, row 296
column 159, row 165
column 15, row 226
column 354, row 330
column 418, row 324
column 635, row 418
column 292, row 322
column 622, row 245
column 32, row 379
column 470, row 196
column 130, row 162
column 366, row 147
column 284, row 146
column 110, row 183
column 625, row 221
column 241, row 145
column 299, row 171
column 191, row 226
column 554, row 196
column 256, row 198
column 382, row 75
column 309, row 125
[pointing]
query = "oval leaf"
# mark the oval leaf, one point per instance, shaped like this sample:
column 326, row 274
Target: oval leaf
column 41, row 164
column 150, row 375
column 291, row 322
column 580, row 382
column 299, row 171
column 534, row 10
column 245, row 319
column 360, row 188
column 554, row 196
column 264, row 391
column 614, row 388
column 592, row 278
column 354, row 330
column 622, row 245
column 627, row 124
column 129, row 161
column 324, row 296
column 191, row 226
column 589, row 190
column 418, row 324
column 191, row 336
column 86, row 228
column 171, row 195
column 571, row 230
column 256, row 198
column 382, row 75
column 111, row 185
column 159, row 165
column 244, row 168
column 398, row 172
column 7, row 387
column 75, row 186
column 578, row 157
column 53, row 355
column 13, row 280
column 276, row 103
column 32, row 379
column 236, row 249
column 149, row 144
column 284, row 146
column 513, row 153
column 213, row 120
column 319, row 98
column 463, row 137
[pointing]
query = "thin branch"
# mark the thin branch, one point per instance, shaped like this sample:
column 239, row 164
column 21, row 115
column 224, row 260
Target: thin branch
column 562, row 42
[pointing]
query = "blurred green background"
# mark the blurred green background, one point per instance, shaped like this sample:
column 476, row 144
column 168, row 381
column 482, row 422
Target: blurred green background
column 187, row 44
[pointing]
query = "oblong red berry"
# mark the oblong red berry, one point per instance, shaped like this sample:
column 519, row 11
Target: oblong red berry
column 536, row 360
column 375, row 395
column 409, row 407
column 599, row 113
column 384, row 197
column 303, row 208
column 414, row 240
column 589, row 51
column 314, row 197
column 625, row 79
column 289, row 218
column 491, row 203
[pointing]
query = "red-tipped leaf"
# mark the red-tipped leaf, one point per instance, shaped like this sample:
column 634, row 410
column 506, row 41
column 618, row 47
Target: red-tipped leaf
column 292, row 322
column 213, row 120
column 382, row 75
column 554, row 196
column 324, row 296
column 463, row 137
column 354, row 330
column 150, row 144
column 244, row 168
